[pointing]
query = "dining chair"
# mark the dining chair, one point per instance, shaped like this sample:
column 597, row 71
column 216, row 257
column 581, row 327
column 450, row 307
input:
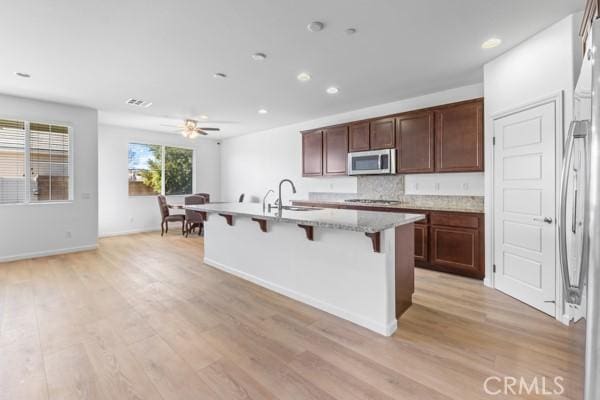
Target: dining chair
column 166, row 216
column 205, row 195
column 194, row 219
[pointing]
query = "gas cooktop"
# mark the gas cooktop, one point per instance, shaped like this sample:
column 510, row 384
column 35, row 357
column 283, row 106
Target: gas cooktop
column 372, row 201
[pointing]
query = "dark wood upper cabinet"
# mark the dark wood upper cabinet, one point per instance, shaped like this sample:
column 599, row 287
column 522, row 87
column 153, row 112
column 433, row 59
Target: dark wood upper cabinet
column 312, row 153
column 359, row 137
column 446, row 138
column 335, row 150
column 383, row 133
column 415, row 142
column 459, row 137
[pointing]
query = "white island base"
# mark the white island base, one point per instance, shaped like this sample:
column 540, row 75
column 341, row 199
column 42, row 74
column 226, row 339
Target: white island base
column 338, row 272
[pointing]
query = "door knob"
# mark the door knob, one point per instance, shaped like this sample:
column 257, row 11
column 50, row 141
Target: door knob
column 547, row 220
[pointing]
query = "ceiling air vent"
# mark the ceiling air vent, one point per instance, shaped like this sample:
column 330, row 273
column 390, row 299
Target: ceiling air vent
column 139, row 103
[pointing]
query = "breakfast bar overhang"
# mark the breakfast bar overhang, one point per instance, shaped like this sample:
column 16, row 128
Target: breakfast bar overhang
column 357, row 265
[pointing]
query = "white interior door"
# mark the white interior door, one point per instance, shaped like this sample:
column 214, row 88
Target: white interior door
column 525, row 204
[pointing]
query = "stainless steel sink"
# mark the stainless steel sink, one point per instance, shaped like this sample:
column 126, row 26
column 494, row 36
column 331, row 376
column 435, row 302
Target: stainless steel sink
column 300, row 208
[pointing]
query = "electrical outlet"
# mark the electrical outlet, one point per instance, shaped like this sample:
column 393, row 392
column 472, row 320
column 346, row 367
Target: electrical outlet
column 465, row 186
column 68, row 234
column 437, row 186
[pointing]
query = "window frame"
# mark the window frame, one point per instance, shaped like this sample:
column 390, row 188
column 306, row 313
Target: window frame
column 162, row 183
column 27, row 165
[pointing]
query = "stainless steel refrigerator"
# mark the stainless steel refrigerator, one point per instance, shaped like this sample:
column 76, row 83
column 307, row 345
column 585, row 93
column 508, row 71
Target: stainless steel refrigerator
column 579, row 222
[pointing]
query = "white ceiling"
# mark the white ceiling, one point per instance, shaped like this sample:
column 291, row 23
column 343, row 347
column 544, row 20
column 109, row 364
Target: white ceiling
column 99, row 53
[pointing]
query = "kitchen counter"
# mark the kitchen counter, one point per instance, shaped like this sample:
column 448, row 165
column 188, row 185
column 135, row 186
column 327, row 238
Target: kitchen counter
column 351, row 220
column 391, row 207
column 357, row 265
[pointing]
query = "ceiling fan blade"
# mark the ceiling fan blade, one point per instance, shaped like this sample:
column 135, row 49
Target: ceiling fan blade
column 210, row 129
column 201, row 132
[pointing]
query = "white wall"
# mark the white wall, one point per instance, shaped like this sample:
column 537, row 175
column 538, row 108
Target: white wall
column 43, row 229
column 256, row 162
column 121, row 214
column 455, row 184
column 540, row 67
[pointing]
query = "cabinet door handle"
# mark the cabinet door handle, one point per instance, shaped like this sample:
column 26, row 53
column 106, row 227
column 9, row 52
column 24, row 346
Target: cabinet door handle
column 547, row 220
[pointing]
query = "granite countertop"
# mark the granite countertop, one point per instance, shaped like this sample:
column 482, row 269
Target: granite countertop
column 351, row 220
column 399, row 205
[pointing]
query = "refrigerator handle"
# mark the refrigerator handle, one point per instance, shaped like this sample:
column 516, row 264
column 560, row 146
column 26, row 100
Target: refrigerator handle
column 575, row 195
column 577, row 130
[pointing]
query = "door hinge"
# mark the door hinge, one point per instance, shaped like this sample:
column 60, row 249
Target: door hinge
column 494, row 266
column 494, row 141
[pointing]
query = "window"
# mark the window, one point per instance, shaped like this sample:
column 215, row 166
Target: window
column 145, row 169
column 49, row 162
column 12, row 162
column 149, row 163
column 178, row 171
column 42, row 149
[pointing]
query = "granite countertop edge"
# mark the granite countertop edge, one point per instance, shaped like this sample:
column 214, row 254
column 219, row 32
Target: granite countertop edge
column 409, row 206
column 296, row 218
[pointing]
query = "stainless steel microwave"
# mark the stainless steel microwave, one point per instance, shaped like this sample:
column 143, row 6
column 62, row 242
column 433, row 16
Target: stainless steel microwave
column 375, row 162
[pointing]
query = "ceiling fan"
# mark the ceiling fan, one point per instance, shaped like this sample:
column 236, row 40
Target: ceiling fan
column 191, row 130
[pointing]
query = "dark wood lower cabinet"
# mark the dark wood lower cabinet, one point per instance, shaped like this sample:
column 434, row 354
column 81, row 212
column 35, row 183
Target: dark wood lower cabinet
column 456, row 250
column 447, row 241
column 421, row 242
column 456, row 244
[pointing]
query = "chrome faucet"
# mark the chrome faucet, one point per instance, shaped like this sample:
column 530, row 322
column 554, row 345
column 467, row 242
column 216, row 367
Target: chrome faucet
column 280, row 200
column 265, row 199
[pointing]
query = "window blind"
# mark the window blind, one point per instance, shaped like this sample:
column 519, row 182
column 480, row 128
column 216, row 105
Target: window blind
column 12, row 162
column 49, row 162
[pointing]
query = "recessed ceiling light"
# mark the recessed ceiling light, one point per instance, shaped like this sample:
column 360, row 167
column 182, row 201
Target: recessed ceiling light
column 491, row 43
column 262, row 111
column 259, row 56
column 332, row 90
column 203, row 117
column 219, row 75
column 22, row 75
column 350, row 31
column 303, row 76
column 315, row 26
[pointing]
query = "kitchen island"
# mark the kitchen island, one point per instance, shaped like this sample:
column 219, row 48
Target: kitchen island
column 357, row 265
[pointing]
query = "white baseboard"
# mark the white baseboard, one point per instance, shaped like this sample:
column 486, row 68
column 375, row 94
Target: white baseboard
column 37, row 254
column 386, row 330
column 128, row 232
column 565, row 319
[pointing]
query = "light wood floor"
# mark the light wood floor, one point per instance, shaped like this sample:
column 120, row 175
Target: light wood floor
column 143, row 318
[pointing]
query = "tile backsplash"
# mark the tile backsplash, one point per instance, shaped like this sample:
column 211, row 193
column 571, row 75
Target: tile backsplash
column 381, row 187
column 461, row 191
